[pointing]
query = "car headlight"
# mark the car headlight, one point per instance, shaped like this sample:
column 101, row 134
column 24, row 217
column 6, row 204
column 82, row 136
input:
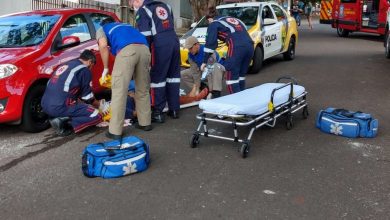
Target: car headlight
column 7, row 70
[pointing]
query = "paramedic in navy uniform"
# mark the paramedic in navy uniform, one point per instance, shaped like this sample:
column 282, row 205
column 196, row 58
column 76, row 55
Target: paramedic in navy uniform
column 132, row 60
column 70, row 83
column 155, row 20
column 233, row 32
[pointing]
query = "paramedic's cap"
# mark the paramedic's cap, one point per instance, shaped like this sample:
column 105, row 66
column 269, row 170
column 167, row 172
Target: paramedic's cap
column 190, row 42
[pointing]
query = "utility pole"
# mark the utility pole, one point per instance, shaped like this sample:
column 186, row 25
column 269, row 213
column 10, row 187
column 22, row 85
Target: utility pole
column 124, row 10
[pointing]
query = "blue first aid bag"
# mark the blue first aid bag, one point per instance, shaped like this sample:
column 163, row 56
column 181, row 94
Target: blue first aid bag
column 347, row 123
column 115, row 158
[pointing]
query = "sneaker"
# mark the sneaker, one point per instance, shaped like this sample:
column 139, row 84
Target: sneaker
column 145, row 128
column 113, row 136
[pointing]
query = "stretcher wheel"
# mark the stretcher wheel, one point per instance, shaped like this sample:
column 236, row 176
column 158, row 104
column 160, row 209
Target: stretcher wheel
column 305, row 112
column 244, row 150
column 194, row 140
column 289, row 122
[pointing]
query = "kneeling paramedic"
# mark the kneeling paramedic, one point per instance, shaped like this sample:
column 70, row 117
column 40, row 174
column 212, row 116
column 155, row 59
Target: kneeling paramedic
column 233, row 32
column 191, row 78
column 68, row 97
column 132, row 60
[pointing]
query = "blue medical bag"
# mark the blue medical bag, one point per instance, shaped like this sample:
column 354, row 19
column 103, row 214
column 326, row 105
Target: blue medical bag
column 347, row 123
column 115, row 158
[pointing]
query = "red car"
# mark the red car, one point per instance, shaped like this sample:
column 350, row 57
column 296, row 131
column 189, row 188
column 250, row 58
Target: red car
column 32, row 45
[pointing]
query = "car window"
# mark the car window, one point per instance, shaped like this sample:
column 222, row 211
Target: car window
column 248, row 15
column 280, row 15
column 25, row 30
column 76, row 26
column 97, row 19
column 267, row 13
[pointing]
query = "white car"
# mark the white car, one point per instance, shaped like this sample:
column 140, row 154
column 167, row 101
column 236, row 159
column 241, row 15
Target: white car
column 271, row 28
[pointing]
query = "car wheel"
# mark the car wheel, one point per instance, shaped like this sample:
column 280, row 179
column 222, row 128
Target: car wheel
column 387, row 48
column 33, row 118
column 257, row 61
column 342, row 32
column 290, row 53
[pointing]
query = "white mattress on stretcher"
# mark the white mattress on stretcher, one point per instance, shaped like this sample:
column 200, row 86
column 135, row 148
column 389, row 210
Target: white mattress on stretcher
column 253, row 101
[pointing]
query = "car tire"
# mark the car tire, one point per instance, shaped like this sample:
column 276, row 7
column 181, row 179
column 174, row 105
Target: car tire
column 258, row 57
column 290, row 53
column 33, row 118
column 342, row 32
column 387, row 47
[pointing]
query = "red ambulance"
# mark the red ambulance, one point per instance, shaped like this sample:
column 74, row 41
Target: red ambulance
column 359, row 15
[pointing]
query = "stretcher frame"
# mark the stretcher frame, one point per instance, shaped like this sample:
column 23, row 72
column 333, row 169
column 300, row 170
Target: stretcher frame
column 268, row 118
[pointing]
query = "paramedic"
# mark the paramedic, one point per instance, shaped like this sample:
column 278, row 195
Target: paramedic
column 155, row 20
column 132, row 59
column 68, row 97
column 233, row 32
column 191, row 78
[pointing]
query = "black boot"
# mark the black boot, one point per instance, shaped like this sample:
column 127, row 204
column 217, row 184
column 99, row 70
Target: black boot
column 215, row 94
column 173, row 114
column 61, row 126
column 158, row 116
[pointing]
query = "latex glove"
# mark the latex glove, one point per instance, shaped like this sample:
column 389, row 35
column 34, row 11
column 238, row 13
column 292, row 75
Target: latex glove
column 104, row 107
column 104, row 74
column 202, row 67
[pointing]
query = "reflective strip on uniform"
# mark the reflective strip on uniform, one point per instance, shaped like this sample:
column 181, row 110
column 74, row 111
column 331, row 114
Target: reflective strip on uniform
column 232, row 30
column 115, row 27
column 242, row 78
column 158, row 85
column 170, row 8
column 150, row 14
column 94, row 113
column 230, row 82
column 208, row 50
column 146, row 33
column 173, row 80
column 87, row 97
column 71, row 75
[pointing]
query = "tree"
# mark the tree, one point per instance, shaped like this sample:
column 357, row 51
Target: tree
column 200, row 7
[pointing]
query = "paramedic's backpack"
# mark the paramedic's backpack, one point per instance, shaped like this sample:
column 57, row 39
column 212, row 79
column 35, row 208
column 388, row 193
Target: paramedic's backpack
column 347, row 123
column 113, row 159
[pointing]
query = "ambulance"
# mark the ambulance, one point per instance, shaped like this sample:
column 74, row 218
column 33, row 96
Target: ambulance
column 359, row 15
column 271, row 28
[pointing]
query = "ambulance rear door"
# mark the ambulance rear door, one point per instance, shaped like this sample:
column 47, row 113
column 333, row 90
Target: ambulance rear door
column 348, row 14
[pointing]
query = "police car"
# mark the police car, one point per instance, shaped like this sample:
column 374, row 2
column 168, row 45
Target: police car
column 271, row 28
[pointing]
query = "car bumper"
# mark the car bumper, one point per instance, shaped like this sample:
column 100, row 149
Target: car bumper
column 11, row 102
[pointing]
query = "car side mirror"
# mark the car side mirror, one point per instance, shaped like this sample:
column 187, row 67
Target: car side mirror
column 193, row 25
column 69, row 41
column 269, row 21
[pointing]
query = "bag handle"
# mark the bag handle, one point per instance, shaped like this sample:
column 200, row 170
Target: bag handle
column 344, row 112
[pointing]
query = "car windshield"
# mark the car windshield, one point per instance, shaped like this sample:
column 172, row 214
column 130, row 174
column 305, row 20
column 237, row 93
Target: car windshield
column 248, row 15
column 25, row 30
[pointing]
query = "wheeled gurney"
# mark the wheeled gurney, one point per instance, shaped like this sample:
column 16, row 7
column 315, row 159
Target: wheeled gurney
column 254, row 108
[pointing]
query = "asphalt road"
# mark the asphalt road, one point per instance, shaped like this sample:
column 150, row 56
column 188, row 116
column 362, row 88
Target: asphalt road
column 289, row 174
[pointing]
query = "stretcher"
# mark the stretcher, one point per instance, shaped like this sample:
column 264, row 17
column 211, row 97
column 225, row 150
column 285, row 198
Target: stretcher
column 255, row 107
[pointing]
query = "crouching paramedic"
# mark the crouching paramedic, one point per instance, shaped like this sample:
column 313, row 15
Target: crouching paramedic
column 68, row 97
column 233, row 32
column 191, row 78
